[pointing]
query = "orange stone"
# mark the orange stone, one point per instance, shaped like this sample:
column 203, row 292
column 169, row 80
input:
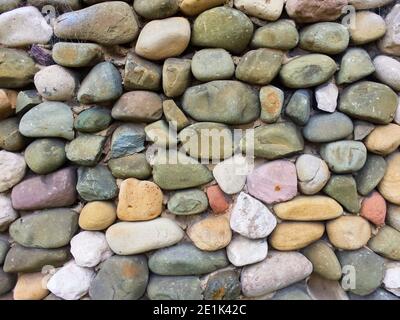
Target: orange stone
column 217, row 199
column 373, row 208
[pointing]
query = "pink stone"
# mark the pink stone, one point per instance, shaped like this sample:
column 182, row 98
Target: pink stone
column 373, row 208
column 273, row 182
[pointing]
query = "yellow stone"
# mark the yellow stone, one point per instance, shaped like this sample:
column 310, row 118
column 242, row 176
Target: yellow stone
column 389, row 186
column 195, row 7
column 139, row 200
column 289, row 236
column 31, row 286
column 384, row 139
column 8, row 100
column 97, row 215
column 312, row 208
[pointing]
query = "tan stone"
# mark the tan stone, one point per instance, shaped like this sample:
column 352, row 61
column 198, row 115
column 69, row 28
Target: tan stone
column 97, row 215
column 314, row 10
column 349, row 232
column 212, row 233
column 384, row 139
column 369, row 27
column 31, row 286
column 195, row 7
column 313, row 208
column 139, row 200
column 389, row 186
column 8, row 100
column 289, row 236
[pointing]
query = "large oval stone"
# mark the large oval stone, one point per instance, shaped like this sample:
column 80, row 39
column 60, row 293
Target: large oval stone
column 77, row 55
column 188, row 202
column 386, row 243
column 45, row 155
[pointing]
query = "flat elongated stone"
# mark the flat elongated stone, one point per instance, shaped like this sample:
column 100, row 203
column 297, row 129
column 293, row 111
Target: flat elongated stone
column 389, row 187
column 174, row 288
column 371, row 174
column 369, row 4
column 195, row 7
column 307, row 11
column 75, row 55
column 156, row 9
column 383, row 140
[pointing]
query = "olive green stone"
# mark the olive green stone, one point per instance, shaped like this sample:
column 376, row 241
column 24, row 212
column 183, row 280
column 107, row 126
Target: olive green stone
column 93, row 120
column 298, row 108
column 370, row 101
column 343, row 189
column 188, row 202
column 223, row 285
column 156, row 9
column 271, row 101
column 281, row 35
column 75, row 55
column 274, row 141
column 141, row 74
column 371, row 174
column 174, row 115
column 174, row 288
column 308, row 71
column 212, row 64
column 324, row 260
column 325, row 37
column 393, row 217
column 45, row 155
column 161, row 134
column 4, row 247
column 132, row 166
column 259, row 66
column 7, row 5
column 356, row 64
column 176, row 76
column 17, row 68
column 10, row 137
column 7, row 281
column 222, row 27
column 85, row 150
column 386, row 243
column 26, row 100
column 229, row 102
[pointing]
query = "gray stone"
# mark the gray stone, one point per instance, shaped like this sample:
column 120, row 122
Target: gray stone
column 93, row 120
column 356, row 64
column 223, row 285
column 212, row 64
column 85, row 150
column 132, row 166
column 127, row 139
column 393, row 217
column 174, row 288
column 10, row 137
column 343, row 189
column 4, row 247
column 371, row 174
column 299, row 107
column 7, row 281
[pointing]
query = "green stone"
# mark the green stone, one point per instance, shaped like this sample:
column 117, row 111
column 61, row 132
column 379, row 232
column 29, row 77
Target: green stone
column 370, row 101
column 293, row 292
column 307, row 71
column 174, row 288
column 356, row 64
column 26, row 100
column 212, row 64
column 343, row 189
column 45, row 155
column 127, row 139
column 4, row 247
column 47, row 229
column 222, row 27
column 85, row 150
column 188, row 202
column 161, row 134
column 393, row 217
column 174, row 115
column 298, row 108
column 10, row 137
column 371, row 174
column 176, row 76
column 132, row 166
column 185, row 259
column 156, row 9
column 386, row 243
column 223, row 285
column 93, row 120
column 141, row 74
column 378, row 294
column 7, row 281
column 76, row 55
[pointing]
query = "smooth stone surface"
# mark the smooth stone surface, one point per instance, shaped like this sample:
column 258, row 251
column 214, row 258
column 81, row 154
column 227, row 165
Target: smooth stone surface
column 312, row 172
column 393, row 217
column 387, row 70
column 4, row 248
column 85, row 150
column 243, row 251
column 307, row 11
column 176, row 76
column 373, row 208
column 97, row 215
column 174, row 288
column 29, row 287
column 362, row 129
column 96, row 183
column 292, row 293
column 161, row 134
column 12, row 168
column 132, row 166
column 298, row 108
column 45, row 155
column 93, row 120
column 141, row 74
column 7, row 282
column 389, row 187
column 76, row 55
column 61, row 5
column 320, row 288
column 212, row 64
column 383, row 140
column 223, row 285
column 195, row 7
column 7, row 5
column 26, row 100
column 7, row 212
column 158, row 9
column 369, row 27
column 219, row 202
column 188, row 202
column 271, row 10
column 391, row 280
column 371, row 174
column 127, row 139
column 343, row 189
column 271, row 101
column 174, row 115
column 378, row 294
column 327, row 96
column 8, row 101
column 369, row 4
column 355, row 65
column 386, row 243
column 390, row 43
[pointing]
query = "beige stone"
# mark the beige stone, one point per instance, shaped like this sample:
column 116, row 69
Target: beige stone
column 139, row 200
column 8, row 100
column 369, row 27
column 97, row 215
column 389, row 187
column 31, row 286
column 268, row 10
column 307, row 11
column 195, row 7
column 384, row 139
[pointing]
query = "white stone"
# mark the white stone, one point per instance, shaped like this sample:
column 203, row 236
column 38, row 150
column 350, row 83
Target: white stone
column 24, row 26
column 268, row 10
column 7, row 212
column 71, row 282
column 12, row 169
column 312, row 172
column 242, row 251
column 392, row 278
column 231, row 174
column 390, row 43
column 387, row 70
column 251, row 218
column 369, row 4
column 327, row 96
column 90, row 248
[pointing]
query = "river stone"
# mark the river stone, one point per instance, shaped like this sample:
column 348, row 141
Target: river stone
column 369, row 269
column 126, row 238
column 223, row 285
column 7, row 282
column 355, row 65
column 307, row 71
column 158, row 9
column 26, row 100
column 383, row 140
column 212, row 64
column 292, row 293
column 10, row 137
column 103, row 83
column 195, row 7
column 175, row 117
column 243, row 251
column 389, row 187
column 138, row 106
column 324, row 260
column 289, row 236
column 108, row 23
column 312, row 172
column 12, row 168
column 48, row 229
column 348, row 232
column 48, row 119
column 371, row 174
column 188, row 202
column 161, row 39
column 362, row 129
column 30, row 287
column 327, row 96
column 390, row 43
column 131, row 166
column 344, row 156
column 324, row 37
column 275, row 141
column 120, row 278
column 93, row 120
column 387, row 71
column 369, row 4
column 250, row 218
column 392, row 279
column 378, row 294
column 24, row 26
column 4, row 248
column 85, row 150
column 343, row 189
column 277, row 271
column 309, row 208
column 97, row 215
column 185, row 259
column 127, row 139
column 174, row 288
column 373, row 208
column 271, row 101
column 45, row 155
column 76, row 55
column 17, row 68
column 259, row 66
column 7, row 212
column 328, row 127
column 368, row 28
column 271, row 10
column 360, row 100
column 22, row 259
column 176, row 76
column 320, row 288
column 307, row 11
column 8, row 101
column 298, row 108
column 61, row 5
column 222, row 27
column 141, row 74
column 281, row 35
column 8, row 5
column 229, row 102
column 96, row 183
column 386, row 243
column 393, row 217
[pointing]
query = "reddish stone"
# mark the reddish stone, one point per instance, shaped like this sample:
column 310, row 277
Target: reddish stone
column 373, row 208
column 217, row 199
